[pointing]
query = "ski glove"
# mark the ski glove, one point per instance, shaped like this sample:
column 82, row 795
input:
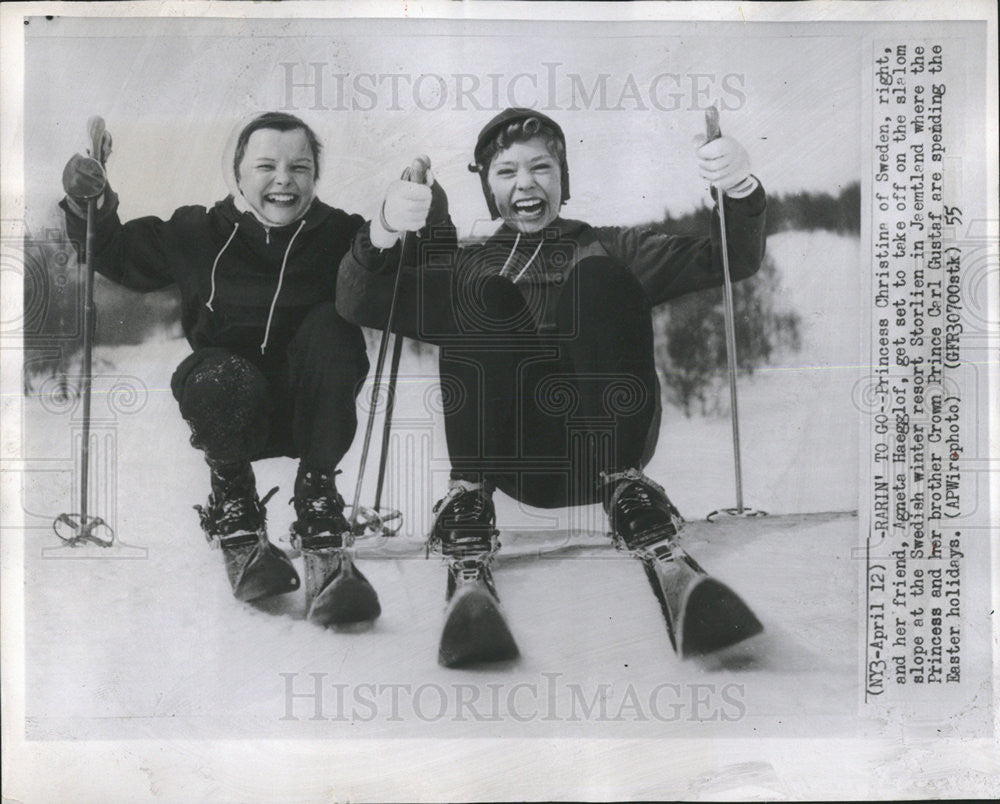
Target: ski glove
column 83, row 178
column 409, row 206
column 725, row 164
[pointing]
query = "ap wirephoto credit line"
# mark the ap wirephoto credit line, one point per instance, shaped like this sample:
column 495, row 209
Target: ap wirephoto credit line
column 496, row 401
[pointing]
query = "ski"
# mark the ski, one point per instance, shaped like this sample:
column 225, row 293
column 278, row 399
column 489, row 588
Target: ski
column 702, row 614
column 258, row 569
column 340, row 594
column 475, row 629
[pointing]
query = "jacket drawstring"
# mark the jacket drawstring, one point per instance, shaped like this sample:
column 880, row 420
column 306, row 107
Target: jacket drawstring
column 531, row 259
column 503, row 271
column 513, row 251
column 215, row 265
column 277, row 290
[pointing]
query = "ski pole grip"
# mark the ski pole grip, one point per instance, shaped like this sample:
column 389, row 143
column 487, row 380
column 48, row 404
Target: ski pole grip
column 417, row 172
column 100, row 139
column 712, row 130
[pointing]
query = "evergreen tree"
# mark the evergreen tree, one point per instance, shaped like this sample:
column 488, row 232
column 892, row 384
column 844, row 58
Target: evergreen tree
column 690, row 338
column 690, row 333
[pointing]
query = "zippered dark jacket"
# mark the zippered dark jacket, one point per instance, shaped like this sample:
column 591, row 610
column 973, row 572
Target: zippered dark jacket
column 243, row 286
column 439, row 279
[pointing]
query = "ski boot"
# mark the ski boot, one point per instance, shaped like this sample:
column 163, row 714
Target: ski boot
column 337, row 594
column 235, row 520
column 702, row 614
column 639, row 512
column 465, row 530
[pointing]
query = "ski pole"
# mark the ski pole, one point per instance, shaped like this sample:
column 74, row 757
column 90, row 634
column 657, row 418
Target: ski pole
column 417, row 175
column 713, row 132
column 88, row 345
column 390, row 405
column 82, row 525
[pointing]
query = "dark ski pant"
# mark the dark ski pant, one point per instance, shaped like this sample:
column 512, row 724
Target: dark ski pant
column 540, row 411
column 301, row 405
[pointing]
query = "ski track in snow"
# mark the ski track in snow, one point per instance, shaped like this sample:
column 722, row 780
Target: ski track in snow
column 145, row 640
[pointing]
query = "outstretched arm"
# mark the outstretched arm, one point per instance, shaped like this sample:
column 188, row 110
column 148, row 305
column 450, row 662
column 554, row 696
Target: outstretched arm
column 132, row 254
column 669, row 266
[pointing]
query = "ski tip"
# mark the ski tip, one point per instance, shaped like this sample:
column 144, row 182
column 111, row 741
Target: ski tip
column 714, row 617
column 266, row 573
column 348, row 602
column 475, row 630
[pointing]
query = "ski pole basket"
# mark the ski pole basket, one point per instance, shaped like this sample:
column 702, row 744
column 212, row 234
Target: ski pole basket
column 75, row 529
column 367, row 522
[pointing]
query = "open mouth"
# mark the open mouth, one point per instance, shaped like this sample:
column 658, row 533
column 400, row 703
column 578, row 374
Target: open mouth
column 281, row 199
column 530, row 207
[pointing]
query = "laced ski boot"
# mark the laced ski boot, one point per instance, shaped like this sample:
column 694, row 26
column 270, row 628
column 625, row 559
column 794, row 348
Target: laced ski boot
column 337, row 594
column 235, row 521
column 640, row 514
column 465, row 531
column 702, row 614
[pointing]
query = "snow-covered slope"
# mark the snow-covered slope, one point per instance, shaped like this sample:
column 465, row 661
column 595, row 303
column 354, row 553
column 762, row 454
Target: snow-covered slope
column 144, row 639
column 158, row 648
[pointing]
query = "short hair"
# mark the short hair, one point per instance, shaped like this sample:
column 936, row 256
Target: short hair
column 519, row 131
column 279, row 121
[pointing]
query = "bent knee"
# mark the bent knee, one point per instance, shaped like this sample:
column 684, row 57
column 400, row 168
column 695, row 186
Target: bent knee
column 218, row 378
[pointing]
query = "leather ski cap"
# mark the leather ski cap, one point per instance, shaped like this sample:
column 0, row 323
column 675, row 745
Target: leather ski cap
column 489, row 131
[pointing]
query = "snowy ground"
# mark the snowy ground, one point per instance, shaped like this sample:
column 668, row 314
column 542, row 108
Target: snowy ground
column 144, row 639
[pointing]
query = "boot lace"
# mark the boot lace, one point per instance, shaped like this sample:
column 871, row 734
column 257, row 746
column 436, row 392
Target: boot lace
column 319, row 509
column 325, row 506
column 234, row 513
column 634, row 494
column 473, row 537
